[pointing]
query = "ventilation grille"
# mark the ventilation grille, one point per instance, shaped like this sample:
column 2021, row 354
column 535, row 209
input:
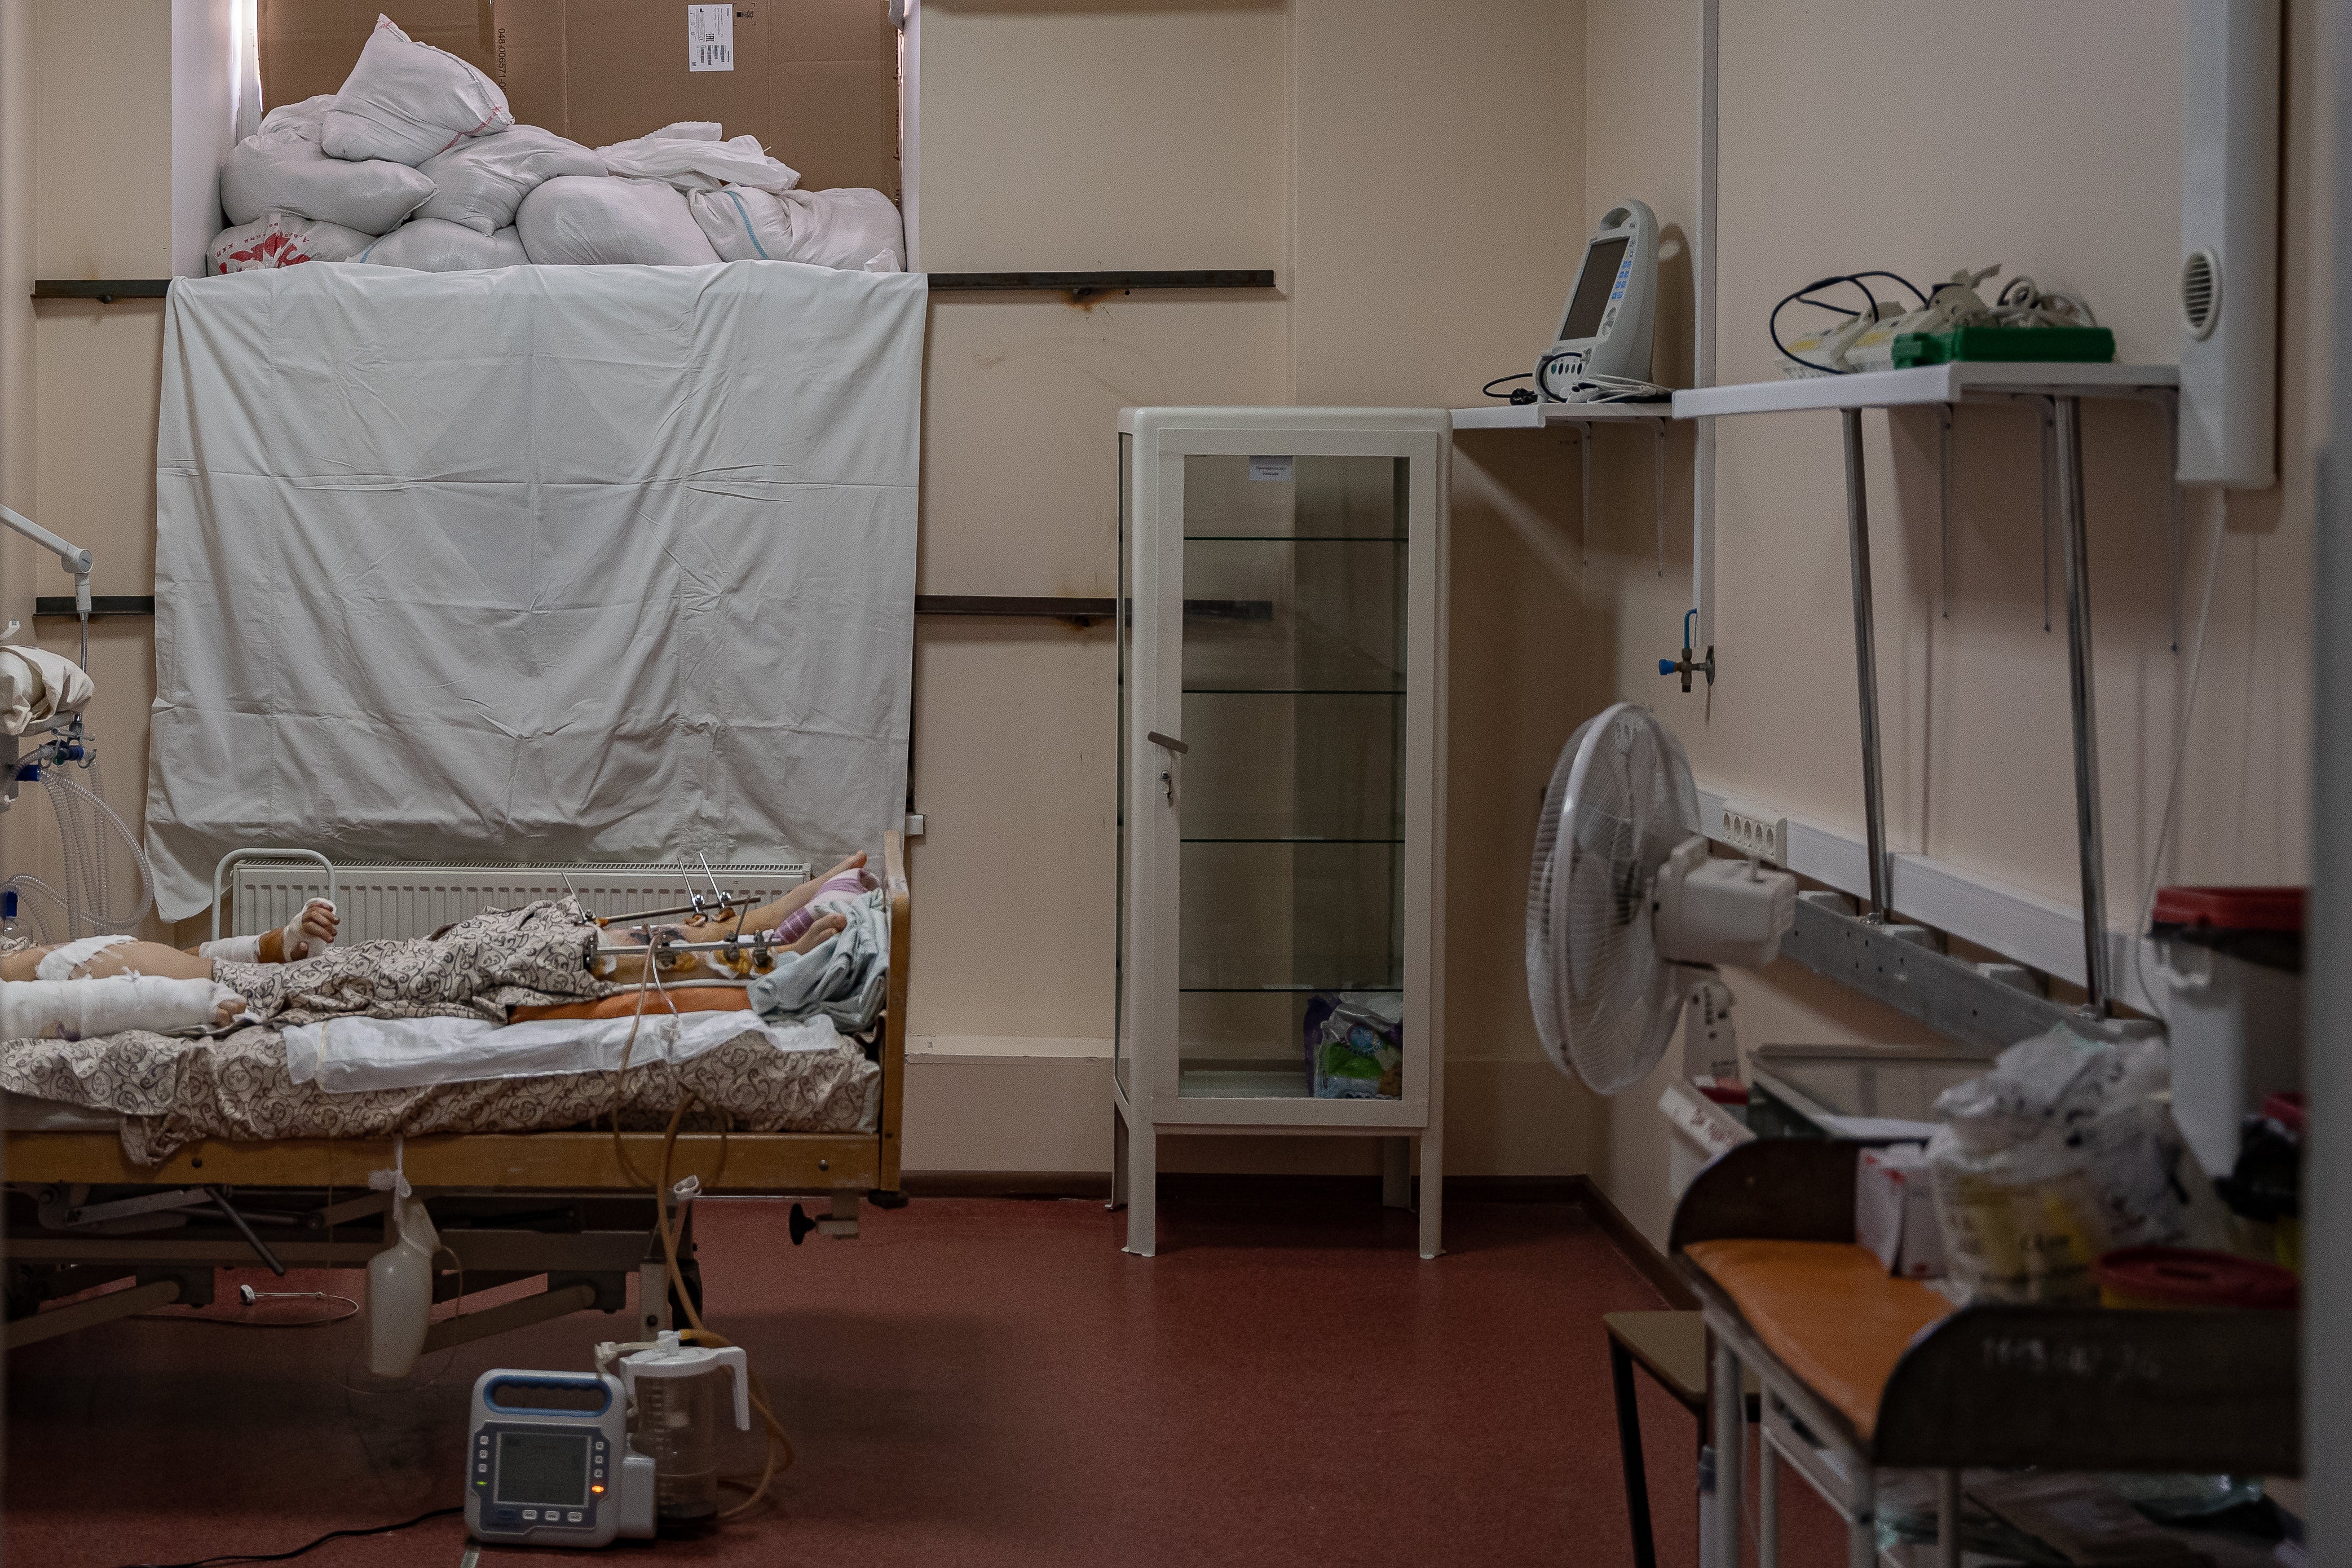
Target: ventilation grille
column 2201, row 293
column 381, row 901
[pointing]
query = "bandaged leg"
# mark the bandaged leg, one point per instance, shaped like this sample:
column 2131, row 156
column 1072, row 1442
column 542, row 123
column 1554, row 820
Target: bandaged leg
column 97, row 959
column 774, row 913
column 305, row 935
column 81, row 1009
column 624, row 962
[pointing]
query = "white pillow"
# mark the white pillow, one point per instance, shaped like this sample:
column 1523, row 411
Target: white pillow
column 407, row 101
column 481, row 181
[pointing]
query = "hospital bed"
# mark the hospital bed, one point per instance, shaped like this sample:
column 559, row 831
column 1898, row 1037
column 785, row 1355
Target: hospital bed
column 575, row 1206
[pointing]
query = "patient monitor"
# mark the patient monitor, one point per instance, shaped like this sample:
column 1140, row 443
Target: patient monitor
column 1602, row 346
column 548, row 1462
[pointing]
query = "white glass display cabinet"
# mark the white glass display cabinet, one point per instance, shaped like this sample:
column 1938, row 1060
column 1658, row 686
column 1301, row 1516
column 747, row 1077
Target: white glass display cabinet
column 1282, row 738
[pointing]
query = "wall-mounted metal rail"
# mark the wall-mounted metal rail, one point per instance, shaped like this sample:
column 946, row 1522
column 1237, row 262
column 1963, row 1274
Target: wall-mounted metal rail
column 1080, row 284
column 105, row 290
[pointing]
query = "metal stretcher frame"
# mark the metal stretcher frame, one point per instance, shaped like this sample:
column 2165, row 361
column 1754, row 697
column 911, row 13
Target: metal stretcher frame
column 842, row 1166
column 2075, row 1388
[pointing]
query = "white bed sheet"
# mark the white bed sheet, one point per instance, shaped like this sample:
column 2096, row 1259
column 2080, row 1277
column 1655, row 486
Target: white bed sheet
column 542, row 563
column 354, row 1055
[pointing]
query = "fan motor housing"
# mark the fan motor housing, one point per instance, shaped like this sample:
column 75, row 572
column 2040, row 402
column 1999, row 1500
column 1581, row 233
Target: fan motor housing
column 1708, row 911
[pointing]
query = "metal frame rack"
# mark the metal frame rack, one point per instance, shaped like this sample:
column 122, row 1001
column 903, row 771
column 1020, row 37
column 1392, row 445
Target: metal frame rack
column 2064, row 386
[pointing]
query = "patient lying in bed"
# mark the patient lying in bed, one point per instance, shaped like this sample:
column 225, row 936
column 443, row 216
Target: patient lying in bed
column 147, row 985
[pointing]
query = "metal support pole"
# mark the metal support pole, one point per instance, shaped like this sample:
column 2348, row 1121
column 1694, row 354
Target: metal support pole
column 1727, row 1393
column 2086, row 736
column 1947, row 1519
column 1944, row 506
column 1862, row 1530
column 1866, row 663
column 2049, row 465
column 1584, row 510
column 1658, row 455
column 2169, row 402
column 1628, row 1452
column 1768, row 1502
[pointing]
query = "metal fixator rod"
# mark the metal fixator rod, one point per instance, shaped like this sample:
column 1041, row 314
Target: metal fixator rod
column 1865, row 662
column 2089, row 833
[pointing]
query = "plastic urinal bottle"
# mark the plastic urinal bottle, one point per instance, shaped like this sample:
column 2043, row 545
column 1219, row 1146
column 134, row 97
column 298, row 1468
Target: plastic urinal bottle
column 399, row 1291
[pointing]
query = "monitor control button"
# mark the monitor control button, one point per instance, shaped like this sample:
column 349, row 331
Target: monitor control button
column 574, row 1517
column 530, row 1513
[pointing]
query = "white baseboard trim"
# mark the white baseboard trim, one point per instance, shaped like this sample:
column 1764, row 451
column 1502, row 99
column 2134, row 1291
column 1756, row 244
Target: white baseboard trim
column 2025, row 927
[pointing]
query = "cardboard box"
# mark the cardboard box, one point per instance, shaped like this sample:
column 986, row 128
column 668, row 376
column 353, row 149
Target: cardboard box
column 816, row 80
column 1895, row 1210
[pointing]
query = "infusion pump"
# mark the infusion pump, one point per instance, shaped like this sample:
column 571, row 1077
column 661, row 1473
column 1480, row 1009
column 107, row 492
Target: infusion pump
column 548, row 1461
column 1602, row 350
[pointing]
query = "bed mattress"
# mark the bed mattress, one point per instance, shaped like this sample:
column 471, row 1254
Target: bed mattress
column 164, row 1093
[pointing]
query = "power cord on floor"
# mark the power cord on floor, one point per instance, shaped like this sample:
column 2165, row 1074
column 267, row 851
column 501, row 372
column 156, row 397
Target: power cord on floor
column 313, row 1546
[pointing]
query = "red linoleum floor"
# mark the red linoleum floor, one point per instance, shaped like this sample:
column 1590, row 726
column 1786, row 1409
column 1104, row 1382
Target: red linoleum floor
column 972, row 1382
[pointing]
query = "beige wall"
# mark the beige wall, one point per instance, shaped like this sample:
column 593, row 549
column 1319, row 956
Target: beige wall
column 1350, row 147
column 1421, row 174
column 2061, row 159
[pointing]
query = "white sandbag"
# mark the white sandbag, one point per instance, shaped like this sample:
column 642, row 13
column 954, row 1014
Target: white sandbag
column 691, row 156
column 576, row 220
column 283, row 168
column 407, row 101
column 280, row 239
column 481, row 181
column 37, row 685
column 430, row 245
column 851, row 230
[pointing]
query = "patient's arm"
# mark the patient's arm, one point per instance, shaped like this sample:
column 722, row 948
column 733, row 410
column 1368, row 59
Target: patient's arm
column 304, row 937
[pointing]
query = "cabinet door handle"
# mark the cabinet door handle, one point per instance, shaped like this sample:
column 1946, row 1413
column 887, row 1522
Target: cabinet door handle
column 1170, row 741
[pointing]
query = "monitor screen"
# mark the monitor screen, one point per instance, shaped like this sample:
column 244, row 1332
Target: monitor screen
column 1592, row 286
column 543, row 1468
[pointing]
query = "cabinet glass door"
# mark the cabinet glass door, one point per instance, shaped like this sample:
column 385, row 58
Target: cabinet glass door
column 1291, row 818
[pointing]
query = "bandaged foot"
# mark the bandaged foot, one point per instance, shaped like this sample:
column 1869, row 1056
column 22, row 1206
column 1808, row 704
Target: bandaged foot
column 77, row 1010
column 305, row 935
column 840, row 889
column 772, row 915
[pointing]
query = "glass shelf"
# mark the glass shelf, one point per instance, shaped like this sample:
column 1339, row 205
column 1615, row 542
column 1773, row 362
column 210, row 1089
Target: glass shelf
column 1298, row 539
column 1294, row 690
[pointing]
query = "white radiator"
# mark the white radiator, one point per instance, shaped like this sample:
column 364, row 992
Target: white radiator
column 377, row 902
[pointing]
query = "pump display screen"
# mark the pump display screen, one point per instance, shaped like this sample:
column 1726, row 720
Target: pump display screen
column 1592, row 286
column 543, row 1468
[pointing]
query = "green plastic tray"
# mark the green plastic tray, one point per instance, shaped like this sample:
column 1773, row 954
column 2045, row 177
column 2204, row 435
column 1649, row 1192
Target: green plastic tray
column 2091, row 344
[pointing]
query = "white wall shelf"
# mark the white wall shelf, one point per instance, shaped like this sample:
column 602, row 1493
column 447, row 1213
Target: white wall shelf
column 1541, row 415
column 1927, row 384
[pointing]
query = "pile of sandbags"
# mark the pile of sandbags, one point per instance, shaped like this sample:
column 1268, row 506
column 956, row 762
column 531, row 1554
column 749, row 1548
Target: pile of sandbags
column 417, row 163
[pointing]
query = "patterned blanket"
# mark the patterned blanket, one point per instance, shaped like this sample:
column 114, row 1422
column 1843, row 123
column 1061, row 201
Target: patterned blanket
column 171, row 1092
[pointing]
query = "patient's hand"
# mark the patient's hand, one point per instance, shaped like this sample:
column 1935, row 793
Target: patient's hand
column 313, row 929
column 226, row 1012
column 823, row 927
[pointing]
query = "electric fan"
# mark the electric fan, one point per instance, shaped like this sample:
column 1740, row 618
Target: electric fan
column 1627, row 914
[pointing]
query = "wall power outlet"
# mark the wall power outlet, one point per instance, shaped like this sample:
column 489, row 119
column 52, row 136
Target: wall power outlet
column 1755, row 830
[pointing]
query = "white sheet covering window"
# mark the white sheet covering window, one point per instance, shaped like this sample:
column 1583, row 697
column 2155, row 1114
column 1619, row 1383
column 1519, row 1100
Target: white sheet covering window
column 596, row 563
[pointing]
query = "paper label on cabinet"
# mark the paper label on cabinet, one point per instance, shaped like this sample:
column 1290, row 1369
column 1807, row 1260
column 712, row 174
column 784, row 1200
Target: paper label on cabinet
column 1273, row 469
column 710, row 38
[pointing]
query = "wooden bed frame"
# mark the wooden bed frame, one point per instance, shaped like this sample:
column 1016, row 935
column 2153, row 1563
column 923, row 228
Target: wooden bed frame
column 844, row 1167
